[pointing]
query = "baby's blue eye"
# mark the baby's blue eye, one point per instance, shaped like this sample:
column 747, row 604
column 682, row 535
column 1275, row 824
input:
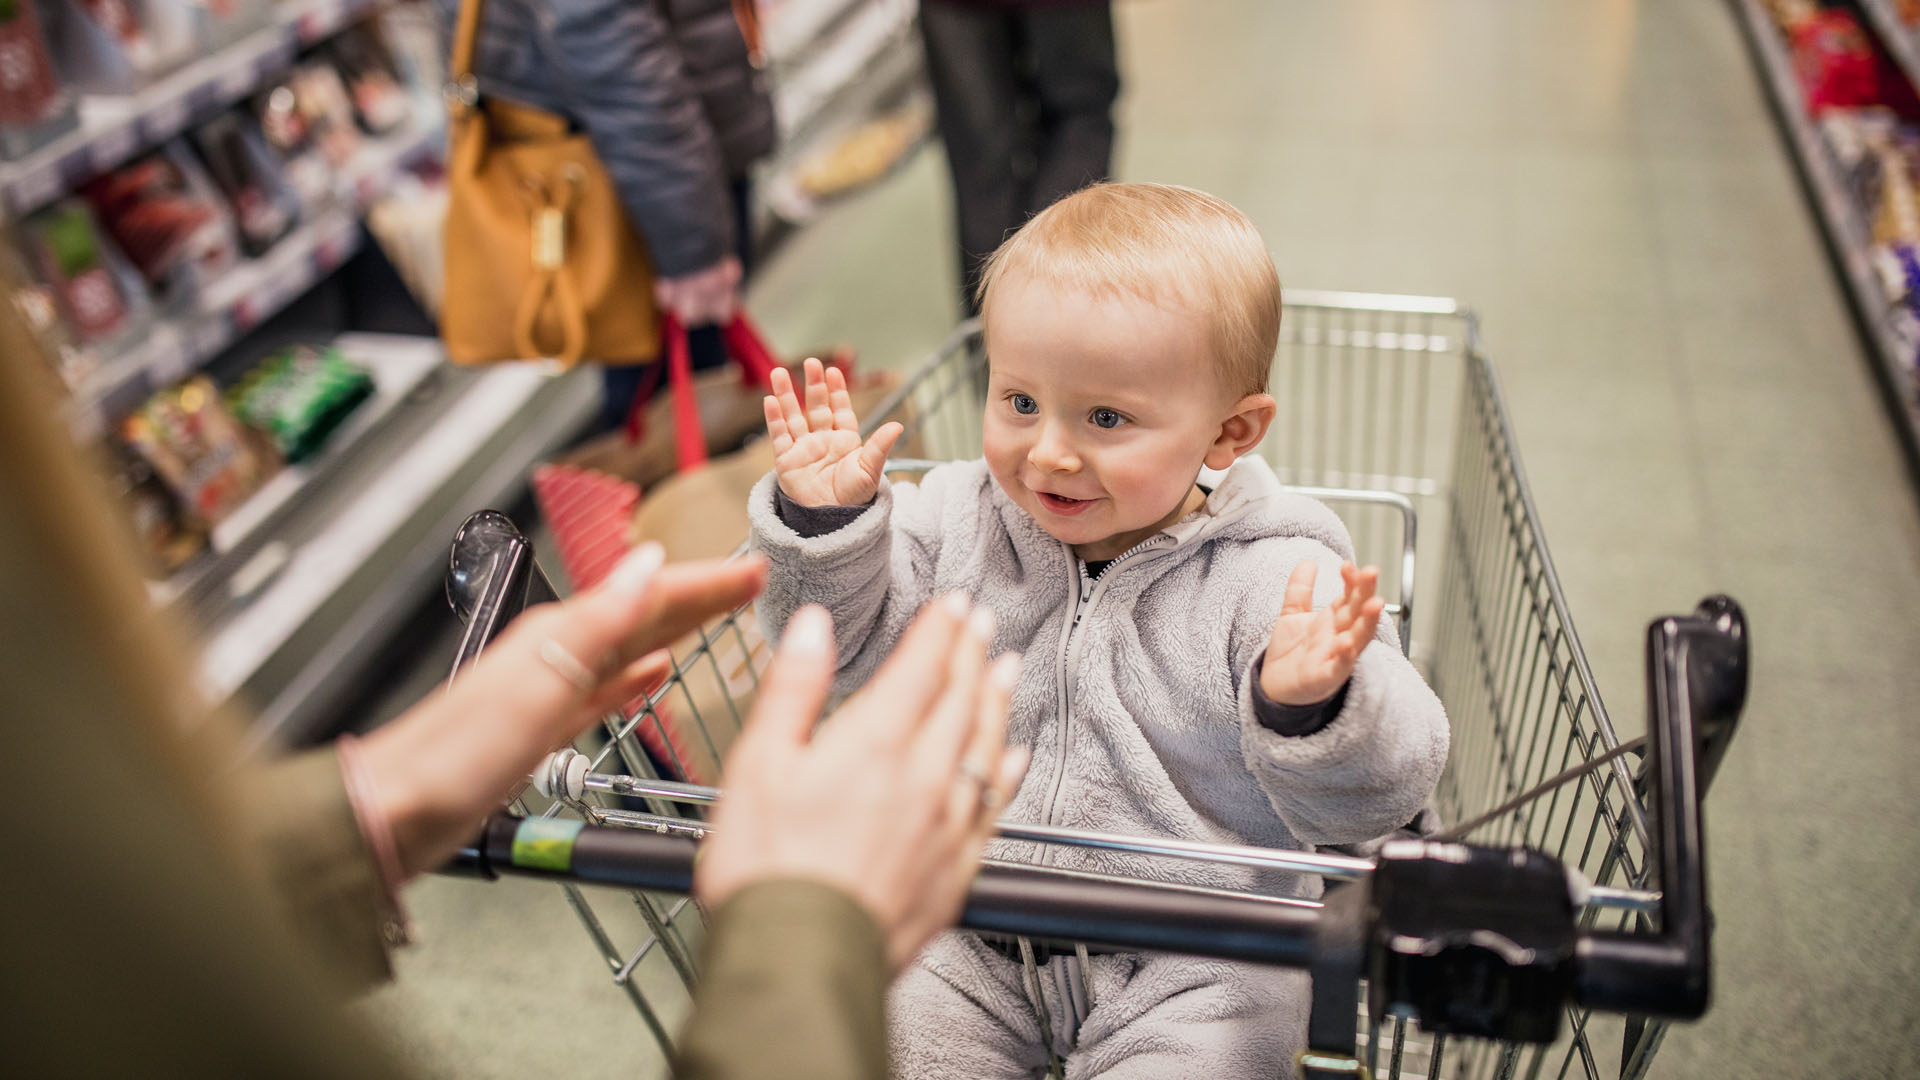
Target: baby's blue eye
column 1107, row 418
column 1024, row 405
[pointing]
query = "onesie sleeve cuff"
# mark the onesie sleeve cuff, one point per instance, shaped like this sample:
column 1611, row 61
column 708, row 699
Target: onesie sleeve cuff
column 1293, row 720
column 812, row 521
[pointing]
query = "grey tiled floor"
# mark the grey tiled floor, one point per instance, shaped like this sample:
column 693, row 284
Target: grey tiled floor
column 1602, row 181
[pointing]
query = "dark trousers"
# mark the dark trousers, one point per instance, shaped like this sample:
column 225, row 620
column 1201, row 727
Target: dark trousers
column 704, row 345
column 1025, row 103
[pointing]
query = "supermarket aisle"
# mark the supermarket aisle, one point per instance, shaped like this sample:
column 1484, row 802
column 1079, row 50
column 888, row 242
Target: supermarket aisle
column 1601, row 179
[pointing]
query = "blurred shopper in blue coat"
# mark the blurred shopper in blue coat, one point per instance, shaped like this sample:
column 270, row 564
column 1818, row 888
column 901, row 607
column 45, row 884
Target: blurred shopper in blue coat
column 678, row 113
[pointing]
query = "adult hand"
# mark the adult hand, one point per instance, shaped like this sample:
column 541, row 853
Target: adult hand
column 817, row 452
column 1312, row 653
column 894, row 799
column 704, row 297
column 448, row 761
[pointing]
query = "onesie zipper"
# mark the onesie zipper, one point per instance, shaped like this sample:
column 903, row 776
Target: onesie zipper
column 1080, row 603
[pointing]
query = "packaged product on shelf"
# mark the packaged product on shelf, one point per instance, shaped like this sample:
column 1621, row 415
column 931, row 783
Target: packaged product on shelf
column 165, row 534
column 299, row 396
column 120, row 46
column 40, row 311
column 264, row 208
column 206, row 457
column 1835, row 61
column 372, row 79
column 223, row 22
column 290, row 135
column 67, row 253
column 323, row 101
column 411, row 32
column 35, row 107
column 410, row 226
column 168, row 220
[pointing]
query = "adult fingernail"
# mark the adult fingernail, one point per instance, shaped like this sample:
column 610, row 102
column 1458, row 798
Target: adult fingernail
column 809, row 632
column 1006, row 671
column 982, row 624
column 633, row 572
column 956, row 604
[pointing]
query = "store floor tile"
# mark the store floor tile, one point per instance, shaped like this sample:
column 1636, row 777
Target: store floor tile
column 1604, row 184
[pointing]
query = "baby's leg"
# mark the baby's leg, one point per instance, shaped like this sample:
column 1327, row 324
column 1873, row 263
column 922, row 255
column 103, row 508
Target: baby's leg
column 1157, row 1016
column 960, row 1013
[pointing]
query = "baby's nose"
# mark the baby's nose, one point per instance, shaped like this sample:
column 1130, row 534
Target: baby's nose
column 1053, row 454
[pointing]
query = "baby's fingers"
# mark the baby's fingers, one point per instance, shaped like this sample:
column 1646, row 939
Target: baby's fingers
column 873, row 456
column 1360, row 589
column 777, row 426
column 1360, row 635
column 841, row 401
column 1299, row 597
column 790, row 409
column 819, row 411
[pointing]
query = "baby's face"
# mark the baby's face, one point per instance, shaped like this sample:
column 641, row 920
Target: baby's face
column 1100, row 411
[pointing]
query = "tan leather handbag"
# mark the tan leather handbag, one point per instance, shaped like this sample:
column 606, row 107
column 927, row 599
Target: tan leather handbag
column 541, row 261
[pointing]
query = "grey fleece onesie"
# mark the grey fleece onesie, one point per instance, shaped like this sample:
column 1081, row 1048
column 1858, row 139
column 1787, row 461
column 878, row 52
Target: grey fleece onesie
column 1138, row 701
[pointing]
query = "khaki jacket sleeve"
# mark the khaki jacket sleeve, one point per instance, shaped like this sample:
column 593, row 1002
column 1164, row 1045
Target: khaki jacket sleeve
column 794, row 986
column 319, row 867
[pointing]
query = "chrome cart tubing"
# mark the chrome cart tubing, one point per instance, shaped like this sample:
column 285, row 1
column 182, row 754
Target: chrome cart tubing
column 1399, row 303
column 960, row 337
column 562, row 776
column 1479, row 364
column 1471, row 940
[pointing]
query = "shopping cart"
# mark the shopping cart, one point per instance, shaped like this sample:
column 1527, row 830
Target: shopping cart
column 1389, row 411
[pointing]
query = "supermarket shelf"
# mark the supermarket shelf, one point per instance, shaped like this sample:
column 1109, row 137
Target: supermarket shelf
column 251, row 292
column 1900, row 40
column 791, row 28
column 1848, row 237
column 113, row 128
column 805, row 93
column 362, row 554
column 894, row 80
column 241, row 554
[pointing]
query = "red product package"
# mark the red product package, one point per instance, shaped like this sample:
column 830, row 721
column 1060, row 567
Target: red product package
column 28, row 86
column 1835, row 61
column 156, row 217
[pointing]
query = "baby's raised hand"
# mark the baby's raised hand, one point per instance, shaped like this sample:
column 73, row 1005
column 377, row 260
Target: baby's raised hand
column 1311, row 653
column 817, row 452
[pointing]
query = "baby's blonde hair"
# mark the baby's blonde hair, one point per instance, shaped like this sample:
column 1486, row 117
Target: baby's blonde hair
column 1158, row 242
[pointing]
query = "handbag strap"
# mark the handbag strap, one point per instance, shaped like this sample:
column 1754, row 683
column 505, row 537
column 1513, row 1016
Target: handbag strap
column 466, row 38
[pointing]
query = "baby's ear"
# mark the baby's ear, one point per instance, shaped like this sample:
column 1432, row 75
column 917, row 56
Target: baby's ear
column 1244, row 426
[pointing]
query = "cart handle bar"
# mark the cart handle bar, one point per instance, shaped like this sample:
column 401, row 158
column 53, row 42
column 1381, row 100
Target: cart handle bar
column 563, row 775
column 1474, row 940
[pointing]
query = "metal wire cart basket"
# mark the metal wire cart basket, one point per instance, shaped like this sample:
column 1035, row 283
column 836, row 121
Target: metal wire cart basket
column 1551, row 928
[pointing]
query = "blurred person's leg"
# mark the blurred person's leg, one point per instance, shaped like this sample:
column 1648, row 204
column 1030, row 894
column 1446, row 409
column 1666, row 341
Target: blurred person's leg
column 960, row 1010
column 617, row 387
column 1075, row 75
column 972, row 62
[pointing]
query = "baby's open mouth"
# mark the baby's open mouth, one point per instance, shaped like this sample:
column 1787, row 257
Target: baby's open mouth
column 1060, row 504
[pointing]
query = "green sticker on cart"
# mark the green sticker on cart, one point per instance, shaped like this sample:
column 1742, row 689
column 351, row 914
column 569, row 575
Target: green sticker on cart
column 545, row 844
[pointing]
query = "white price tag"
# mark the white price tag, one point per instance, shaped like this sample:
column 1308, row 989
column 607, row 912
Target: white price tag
column 238, row 82
column 37, row 187
column 113, row 147
column 321, row 20
column 166, row 119
column 172, row 359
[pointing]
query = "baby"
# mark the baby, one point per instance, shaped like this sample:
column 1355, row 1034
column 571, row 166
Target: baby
column 1172, row 686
